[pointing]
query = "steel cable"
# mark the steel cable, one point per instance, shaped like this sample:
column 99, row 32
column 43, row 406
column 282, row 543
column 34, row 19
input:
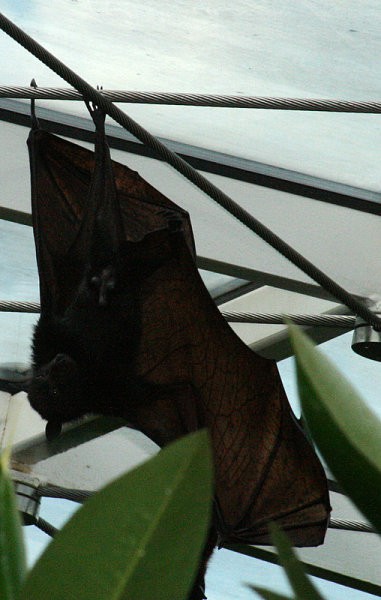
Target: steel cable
column 345, row 321
column 52, row 491
column 204, row 100
column 55, row 491
column 22, row 307
column 351, row 526
column 46, row 527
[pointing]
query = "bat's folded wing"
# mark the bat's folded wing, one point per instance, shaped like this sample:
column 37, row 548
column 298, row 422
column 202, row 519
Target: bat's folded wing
column 62, row 174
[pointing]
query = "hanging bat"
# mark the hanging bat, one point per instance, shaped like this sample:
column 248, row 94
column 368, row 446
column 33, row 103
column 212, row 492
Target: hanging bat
column 128, row 329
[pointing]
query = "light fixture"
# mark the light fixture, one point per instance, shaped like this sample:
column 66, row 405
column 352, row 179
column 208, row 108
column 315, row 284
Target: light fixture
column 366, row 340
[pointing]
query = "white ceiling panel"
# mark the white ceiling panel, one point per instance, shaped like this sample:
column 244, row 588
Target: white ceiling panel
column 343, row 242
column 263, row 48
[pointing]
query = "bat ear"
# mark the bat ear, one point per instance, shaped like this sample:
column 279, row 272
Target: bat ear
column 63, row 367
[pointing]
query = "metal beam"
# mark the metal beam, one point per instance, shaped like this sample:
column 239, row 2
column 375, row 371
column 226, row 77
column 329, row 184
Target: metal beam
column 39, row 448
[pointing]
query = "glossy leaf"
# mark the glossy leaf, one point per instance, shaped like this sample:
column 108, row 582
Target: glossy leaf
column 12, row 553
column 269, row 595
column 139, row 538
column 346, row 431
column 300, row 583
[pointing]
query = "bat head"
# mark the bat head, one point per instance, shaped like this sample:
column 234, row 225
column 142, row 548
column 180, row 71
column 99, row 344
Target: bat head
column 56, row 392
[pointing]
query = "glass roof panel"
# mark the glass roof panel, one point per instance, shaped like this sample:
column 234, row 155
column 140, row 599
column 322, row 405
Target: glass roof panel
column 18, row 269
column 270, row 48
column 19, row 276
column 336, row 239
column 363, row 373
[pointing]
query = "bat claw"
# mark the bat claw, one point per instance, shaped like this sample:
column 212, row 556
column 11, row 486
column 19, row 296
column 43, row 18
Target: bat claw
column 97, row 114
column 104, row 283
column 35, row 123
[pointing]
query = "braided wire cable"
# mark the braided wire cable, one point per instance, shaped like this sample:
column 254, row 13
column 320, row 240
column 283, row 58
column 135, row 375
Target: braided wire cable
column 22, row 307
column 345, row 321
column 55, row 491
column 345, row 525
column 75, row 495
column 46, row 527
column 93, row 95
column 211, row 100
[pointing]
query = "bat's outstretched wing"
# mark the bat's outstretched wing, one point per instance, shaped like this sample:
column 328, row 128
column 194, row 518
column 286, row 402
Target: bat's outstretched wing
column 265, row 467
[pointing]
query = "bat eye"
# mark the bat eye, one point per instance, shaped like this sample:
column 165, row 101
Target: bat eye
column 54, row 391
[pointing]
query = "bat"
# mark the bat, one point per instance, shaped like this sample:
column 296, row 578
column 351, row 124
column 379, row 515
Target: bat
column 127, row 328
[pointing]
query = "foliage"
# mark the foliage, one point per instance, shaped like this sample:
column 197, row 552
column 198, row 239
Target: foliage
column 301, row 585
column 137, row 524
column 346, row 431
column 347, row 434
column 12, row 554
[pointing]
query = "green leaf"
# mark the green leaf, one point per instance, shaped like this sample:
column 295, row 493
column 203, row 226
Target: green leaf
column 12, row 553
column 300, row 583
column 269, row 595
column 139, row 538
column 346, row 431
